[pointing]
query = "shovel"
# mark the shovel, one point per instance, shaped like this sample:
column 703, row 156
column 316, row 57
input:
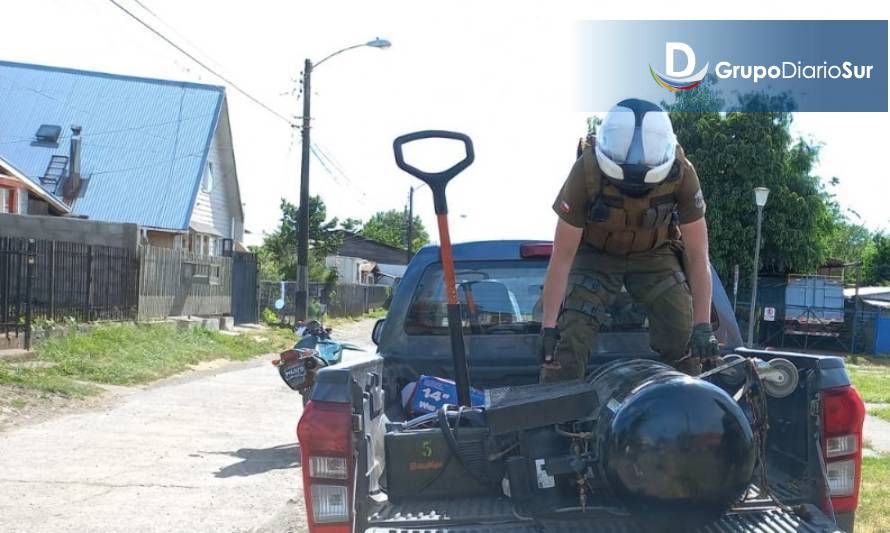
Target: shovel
column 437, row 182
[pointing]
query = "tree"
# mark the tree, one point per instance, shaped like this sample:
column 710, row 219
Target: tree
column 737, row 151
column 278, row 254
column 850, row 242
column 876, row 266
column 391, row 227
column 351, row 224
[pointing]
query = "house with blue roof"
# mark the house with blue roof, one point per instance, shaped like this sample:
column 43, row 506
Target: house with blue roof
column 116, row 148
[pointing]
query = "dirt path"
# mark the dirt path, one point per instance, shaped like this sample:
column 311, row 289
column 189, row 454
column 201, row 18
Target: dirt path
column 208, row 451
column 876, row 432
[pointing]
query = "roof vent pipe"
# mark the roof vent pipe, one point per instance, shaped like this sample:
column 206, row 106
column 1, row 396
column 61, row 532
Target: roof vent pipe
column 73, row 183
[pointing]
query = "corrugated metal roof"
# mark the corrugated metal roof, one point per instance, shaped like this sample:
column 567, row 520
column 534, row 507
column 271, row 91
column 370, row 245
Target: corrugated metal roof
column 882, row 304
column 33, row 186
column 145, row 140
column 874, row 292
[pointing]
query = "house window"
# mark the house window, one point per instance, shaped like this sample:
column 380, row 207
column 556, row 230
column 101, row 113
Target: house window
column 207, row 184
column 214, row 274
column 8, row 201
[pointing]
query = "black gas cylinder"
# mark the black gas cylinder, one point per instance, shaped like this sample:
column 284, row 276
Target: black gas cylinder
column 668, row 440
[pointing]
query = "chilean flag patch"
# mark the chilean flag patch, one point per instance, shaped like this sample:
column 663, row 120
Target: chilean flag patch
column 565, row 207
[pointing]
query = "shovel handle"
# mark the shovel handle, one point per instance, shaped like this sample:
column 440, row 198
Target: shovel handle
column 436, row 180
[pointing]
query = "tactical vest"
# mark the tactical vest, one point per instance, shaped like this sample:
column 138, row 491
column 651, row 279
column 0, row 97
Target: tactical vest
column 621, row 224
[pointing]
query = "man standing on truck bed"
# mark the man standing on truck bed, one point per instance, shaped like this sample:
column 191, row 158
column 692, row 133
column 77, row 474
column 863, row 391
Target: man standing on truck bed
column 617, row 227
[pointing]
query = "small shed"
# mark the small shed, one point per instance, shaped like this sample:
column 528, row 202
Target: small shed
column 874, row 301
column 387, row 274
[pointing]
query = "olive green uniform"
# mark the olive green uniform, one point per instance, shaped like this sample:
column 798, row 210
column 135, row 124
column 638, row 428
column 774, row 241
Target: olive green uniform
column 627, row 241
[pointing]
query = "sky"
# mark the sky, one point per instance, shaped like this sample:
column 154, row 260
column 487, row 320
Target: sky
column 502, row 72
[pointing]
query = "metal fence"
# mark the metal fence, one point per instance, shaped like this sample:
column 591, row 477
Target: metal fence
column 16, row 280
column 82, row 282
column 842, row 330
column 77, row 281
column 85, row 282
column 347, row 299
column 179, row 282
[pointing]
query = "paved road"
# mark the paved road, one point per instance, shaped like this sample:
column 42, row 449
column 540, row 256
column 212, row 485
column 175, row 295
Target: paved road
column 199, row 453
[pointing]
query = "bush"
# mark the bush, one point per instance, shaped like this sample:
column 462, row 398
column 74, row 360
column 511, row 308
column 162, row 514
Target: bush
column 269, row 317
column 314, row 309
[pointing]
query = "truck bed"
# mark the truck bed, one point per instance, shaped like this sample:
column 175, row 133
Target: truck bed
column 372, row 384
column 471, row 515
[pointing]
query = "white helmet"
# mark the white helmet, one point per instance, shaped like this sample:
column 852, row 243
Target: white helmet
column 636, row 145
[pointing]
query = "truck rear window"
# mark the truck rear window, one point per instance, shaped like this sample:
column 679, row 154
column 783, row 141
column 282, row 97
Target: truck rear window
column 498, row 297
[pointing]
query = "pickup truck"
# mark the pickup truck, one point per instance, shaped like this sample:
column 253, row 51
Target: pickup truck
column 814, row 434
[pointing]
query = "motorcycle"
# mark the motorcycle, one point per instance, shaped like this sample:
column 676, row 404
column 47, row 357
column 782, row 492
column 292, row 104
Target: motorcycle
column 313, row 351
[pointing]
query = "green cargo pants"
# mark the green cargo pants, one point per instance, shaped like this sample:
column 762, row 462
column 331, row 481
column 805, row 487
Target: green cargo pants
column 654, row 279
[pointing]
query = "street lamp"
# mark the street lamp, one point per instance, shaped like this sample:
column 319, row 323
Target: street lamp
column 301, row 310
column 760, row 196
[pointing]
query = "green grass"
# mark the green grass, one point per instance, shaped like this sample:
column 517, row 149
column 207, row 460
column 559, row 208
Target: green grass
column 867, row 360
column 881, row 412
column 872, row 382
column 128, row 354
column 373, row 313
column 874, row 498
column 44, row 380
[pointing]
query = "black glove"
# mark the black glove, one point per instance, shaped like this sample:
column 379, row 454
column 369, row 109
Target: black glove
column 704, row 345
column 547, row 346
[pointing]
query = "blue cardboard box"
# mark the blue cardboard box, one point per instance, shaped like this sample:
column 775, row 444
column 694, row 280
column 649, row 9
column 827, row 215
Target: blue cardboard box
column 431, row 393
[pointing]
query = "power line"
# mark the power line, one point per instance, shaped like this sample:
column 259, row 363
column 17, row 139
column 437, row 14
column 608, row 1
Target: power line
column 150, row 165
column 333, row 162
column 323, row 164
column 145, row 7
column 87, row 134
column 201, row 63
column 181, row 37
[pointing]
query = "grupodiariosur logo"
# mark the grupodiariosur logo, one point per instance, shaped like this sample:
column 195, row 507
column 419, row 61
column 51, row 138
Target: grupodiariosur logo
column 678, row 80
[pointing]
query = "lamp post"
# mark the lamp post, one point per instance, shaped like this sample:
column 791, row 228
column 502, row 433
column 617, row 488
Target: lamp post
column 760, row 196
column 301, row 307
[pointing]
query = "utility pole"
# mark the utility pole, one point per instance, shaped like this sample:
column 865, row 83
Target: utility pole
column 301, row 302
column 410, row 230
column 855, row 307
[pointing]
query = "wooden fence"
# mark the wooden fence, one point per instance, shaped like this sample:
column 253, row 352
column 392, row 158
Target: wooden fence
column 179, row 282
column 90, row 282
column 349, row 299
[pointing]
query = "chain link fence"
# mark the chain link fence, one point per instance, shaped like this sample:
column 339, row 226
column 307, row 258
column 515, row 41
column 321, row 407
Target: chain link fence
column 831, row 330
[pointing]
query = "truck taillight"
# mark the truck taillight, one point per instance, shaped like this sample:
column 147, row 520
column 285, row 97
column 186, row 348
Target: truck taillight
column 536, row 249
column 842, row 416
column 325, row 434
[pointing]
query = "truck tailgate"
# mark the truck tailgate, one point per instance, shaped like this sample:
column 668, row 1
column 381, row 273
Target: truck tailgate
column 490, row 515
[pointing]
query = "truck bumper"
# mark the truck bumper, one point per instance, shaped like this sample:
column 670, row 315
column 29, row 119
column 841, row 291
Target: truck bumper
column 845, row 521
column 476, row 518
